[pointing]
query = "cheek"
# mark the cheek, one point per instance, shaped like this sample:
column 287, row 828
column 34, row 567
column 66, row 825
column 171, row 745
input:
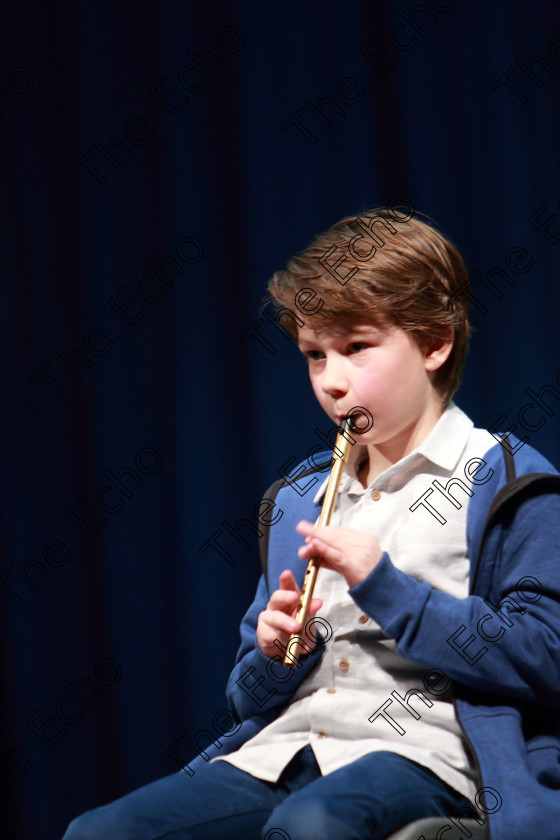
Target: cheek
column 381, row 379
column 388, row 381
column 406, row 365
column 316, row 386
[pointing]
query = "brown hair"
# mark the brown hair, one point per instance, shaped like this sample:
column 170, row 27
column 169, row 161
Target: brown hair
column 382, row 265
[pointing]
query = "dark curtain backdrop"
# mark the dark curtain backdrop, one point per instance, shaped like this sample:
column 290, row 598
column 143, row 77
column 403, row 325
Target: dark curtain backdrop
column 159, row 162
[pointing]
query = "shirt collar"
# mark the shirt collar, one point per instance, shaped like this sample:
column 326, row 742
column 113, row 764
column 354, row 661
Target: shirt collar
column 447, row 440
column 442, row 447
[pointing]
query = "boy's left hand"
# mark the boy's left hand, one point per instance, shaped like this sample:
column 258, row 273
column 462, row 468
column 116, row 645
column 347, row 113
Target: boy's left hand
column 351, row 553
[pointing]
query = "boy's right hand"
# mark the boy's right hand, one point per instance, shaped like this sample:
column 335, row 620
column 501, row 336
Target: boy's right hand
column 278, row 620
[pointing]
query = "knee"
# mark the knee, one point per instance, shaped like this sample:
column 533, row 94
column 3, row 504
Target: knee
column 314, row 820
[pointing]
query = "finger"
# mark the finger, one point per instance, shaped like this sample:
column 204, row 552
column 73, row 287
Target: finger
column 280, row 622
column 309, row 549
column 283, row 599
column 287, row 581
column 316, row 547
column 304, row 527
column 319, row 548
column 315, row 606
column 330, row 534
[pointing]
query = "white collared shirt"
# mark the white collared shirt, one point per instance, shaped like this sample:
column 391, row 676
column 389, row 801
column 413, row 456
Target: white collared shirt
column 360, row 667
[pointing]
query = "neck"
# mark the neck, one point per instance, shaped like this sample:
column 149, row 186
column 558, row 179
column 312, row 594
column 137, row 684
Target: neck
column 373, row 459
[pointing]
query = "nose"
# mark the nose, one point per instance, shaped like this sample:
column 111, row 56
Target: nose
column 333, row 380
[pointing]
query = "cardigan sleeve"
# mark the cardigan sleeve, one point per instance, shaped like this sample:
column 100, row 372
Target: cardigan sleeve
column 506, row 640
column 258, row 684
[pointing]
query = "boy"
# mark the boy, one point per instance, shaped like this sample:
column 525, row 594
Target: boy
column 429, row 669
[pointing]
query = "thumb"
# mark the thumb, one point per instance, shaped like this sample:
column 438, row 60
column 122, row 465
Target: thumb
column 287, row 581
column 315, row 606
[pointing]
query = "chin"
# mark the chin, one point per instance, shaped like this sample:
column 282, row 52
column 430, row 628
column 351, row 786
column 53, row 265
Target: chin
column 366, row 437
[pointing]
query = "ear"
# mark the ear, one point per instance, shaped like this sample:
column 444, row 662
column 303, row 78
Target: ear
column 437, row 348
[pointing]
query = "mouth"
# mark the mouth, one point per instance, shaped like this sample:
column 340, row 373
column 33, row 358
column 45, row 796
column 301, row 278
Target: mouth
column 350, row 414
column 360, row 419
column 348, row 421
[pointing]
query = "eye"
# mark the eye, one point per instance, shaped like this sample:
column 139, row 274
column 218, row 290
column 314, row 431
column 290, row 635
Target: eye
column 314, row 355
column 358, row 346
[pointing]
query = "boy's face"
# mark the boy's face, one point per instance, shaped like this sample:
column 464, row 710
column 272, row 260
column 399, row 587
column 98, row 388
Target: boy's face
column 382, row 369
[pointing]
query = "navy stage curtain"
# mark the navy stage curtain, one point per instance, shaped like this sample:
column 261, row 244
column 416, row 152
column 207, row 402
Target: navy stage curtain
column 159, row 162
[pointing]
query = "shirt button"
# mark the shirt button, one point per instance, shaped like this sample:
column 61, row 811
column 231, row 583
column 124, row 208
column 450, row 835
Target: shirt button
column 375, row 495
column 363, row 618
column 344, row 664
column 331, row 690
column 321, row 735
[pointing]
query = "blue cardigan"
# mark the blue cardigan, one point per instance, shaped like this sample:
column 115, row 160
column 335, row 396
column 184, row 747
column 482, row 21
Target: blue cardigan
column 502, row 655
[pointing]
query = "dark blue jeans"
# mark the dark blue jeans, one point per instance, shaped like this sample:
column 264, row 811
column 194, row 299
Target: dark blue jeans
column 366, row 800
